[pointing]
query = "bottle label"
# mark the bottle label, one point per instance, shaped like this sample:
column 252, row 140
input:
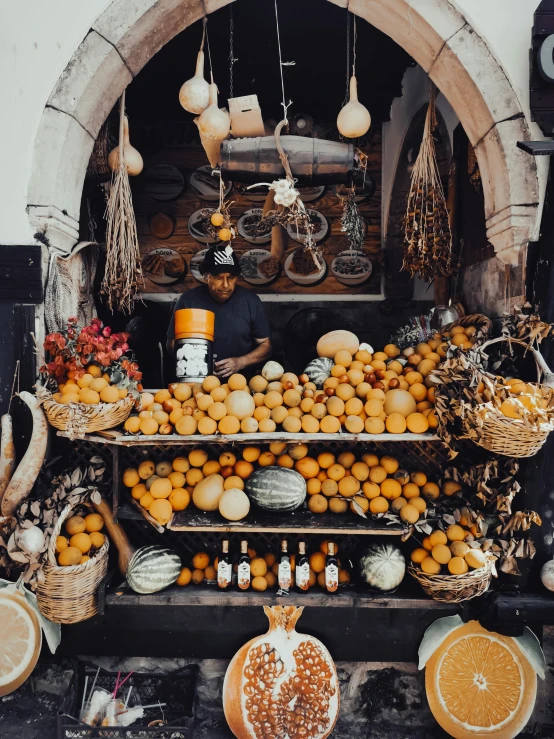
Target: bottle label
column 244, row 575
column 284, row 575
column 224, row 574
column 331, row 578
column 303, row 576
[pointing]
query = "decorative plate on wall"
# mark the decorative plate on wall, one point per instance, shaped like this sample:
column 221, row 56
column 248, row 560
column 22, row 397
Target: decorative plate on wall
column 164, row 266
column 351, row 267
column 248, row 226
column 195, row 263
column 320, row 224
column 163, row 182
column 198, row 226
column 301, row 268
column 206, row 185
column 258, row 267
column 161, row 225
column 309, row 194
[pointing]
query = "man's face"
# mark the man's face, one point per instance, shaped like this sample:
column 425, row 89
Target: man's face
column 222, row 286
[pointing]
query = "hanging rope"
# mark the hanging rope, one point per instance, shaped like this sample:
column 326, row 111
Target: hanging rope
column 354, row 48
column 232, row 57
column 347, row 86
column 282, row 64
column 208, row 45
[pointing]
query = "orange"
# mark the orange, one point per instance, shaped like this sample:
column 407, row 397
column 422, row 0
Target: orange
column 409, row 513
column 377, row 474
column 75, row 525
column 419, row 503
column 98, row 384
column 177, row 479
column 417, row 423
column 371, row 490
column 374, row 426
column 61, row 543
column 430, row 566
column 441, row 553
column 336, row 472
column 410, row 491
column 455, row 533
column 438, row 537
column 200, row 561
column 285, row 460
column 457, row 566
column 186, row 426
column 131, row 477
column 179, row 499
column 395, row 423
column 338, row 505
column 430, row 490
column 349, row 486
column 354, row 424
column 378, row 505
column 88, row 396
column 109, row 394
column 185, row 577
column 251, row 453
column 317, row 562
column 161, row 488
column 70, row 556
column 418, row 555
column 146, row 500
column 329, row 488
column 313, row 486
column 97, row 539
column 258, row 567
column 148, row 426
column 82, row 542
column 360, row 471
column 491, row 693
column 94, row 522
column 233, row 482
column 391, row 489
column 317, row 503
column 194, row 476
column 390, row 464
column 450, row 487
column 132, row 424
column 181, row 464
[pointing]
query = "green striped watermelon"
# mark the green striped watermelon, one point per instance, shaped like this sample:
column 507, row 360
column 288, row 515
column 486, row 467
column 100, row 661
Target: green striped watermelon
column 319, row 370
column 276, row 488
column 153, row 568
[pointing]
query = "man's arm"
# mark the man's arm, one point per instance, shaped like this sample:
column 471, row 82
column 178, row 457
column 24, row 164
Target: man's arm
column 229, row 366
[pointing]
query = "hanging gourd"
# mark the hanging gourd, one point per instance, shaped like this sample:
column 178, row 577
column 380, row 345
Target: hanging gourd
column 131, row 157
column 194, row 94
column 214, row 125
column 353, row 120
column 281, row 684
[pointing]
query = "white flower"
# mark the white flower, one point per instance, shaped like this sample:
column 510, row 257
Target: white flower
column 286, row 198
column 280, row 186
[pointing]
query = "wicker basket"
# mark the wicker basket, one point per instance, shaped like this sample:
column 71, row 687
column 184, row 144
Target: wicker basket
column 510, row 437
column 80, row 418
column 454, row 588
column 478, row 320
column 70, row 594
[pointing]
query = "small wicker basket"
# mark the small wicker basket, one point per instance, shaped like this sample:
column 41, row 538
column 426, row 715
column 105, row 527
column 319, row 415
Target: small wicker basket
column 511, row 437
column 70, row 594
column 477, row 320
column 454, row 588
column 79, row 418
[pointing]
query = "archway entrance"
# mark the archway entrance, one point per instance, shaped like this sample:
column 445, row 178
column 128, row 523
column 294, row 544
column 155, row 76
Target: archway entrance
column 124, row 38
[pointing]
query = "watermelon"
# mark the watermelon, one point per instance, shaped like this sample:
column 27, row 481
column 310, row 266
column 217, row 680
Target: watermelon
column 276, row 489
column 319, row 370
column 153, row 568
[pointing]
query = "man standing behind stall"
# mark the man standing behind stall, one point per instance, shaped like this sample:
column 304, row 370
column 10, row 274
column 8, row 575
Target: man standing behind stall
column 242, row 332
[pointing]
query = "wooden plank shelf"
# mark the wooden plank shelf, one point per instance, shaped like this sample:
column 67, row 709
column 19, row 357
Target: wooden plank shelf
column 296, row 522
column 117, row 438
column 348, row 597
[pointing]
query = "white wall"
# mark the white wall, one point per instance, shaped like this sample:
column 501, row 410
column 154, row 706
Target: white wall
column 38, row 37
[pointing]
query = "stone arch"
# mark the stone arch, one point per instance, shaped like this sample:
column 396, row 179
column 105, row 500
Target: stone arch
column 127, row 35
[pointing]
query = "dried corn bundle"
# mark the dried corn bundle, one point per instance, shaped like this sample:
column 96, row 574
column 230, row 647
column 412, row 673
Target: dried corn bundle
column 428, row 239
column 123, row 279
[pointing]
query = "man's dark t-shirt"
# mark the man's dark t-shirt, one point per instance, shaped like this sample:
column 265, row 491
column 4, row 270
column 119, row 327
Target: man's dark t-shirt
column 238, row 321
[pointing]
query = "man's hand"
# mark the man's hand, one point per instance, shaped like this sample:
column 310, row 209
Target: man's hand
column 228, row 367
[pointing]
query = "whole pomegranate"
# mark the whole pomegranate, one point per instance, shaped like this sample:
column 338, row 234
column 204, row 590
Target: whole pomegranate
column 281, row 685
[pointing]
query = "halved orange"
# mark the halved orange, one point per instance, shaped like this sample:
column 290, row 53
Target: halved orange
column 20, row 641
column 480, row 683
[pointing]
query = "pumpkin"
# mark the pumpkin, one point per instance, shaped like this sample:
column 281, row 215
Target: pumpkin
column 318, row 370
column 382, row 567
column 207, row 493
column 240, row 404
column 334, row 341
column 276, row 489
column 234, row 504
column 153, row 568
column 281, row 683
column 272, row 371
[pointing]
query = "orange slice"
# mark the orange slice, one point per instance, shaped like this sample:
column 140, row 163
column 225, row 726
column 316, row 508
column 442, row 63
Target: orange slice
column 20, row 641
column 480, row 683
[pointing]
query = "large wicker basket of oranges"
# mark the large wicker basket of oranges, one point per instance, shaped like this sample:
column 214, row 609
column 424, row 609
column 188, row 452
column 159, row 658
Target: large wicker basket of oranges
column 77, row 564
column 449, row 569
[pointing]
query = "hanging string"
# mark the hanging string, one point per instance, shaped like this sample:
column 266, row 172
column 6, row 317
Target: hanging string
column 209, row 52
column 16, row 375
column 282, row 64
column 354, row 48
column 347, row 86
column 232, row 58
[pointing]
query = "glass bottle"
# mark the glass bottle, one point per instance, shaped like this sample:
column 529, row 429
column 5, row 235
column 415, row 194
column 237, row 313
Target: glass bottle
column 331, row 569
column 284, row 577
column 224, row 567
column 244, row 567
column 302, row 571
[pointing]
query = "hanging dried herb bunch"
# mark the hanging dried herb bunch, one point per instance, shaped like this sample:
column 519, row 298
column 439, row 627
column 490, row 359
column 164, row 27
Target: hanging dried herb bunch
column 123, row 278
column 428, row 239
column 352, row 223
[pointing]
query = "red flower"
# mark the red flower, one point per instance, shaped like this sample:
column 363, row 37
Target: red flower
column 107, row 331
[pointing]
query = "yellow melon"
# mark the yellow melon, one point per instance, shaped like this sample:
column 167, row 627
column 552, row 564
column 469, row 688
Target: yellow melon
column 399, row 401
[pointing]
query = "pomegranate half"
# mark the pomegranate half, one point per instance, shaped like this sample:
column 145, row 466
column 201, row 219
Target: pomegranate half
column 281, row 685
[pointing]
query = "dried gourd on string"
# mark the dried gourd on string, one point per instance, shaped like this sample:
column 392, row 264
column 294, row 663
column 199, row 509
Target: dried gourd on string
column 123, row 280
column 428, row 238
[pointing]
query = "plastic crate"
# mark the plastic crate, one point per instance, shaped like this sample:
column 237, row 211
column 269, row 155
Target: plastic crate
column 177, row 689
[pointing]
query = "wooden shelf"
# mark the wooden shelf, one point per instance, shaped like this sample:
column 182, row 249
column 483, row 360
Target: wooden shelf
column 347, row 597
column 117, row 438
column 296, row 522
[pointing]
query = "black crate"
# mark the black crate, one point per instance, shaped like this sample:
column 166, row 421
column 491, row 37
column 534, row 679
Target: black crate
column 177, row 689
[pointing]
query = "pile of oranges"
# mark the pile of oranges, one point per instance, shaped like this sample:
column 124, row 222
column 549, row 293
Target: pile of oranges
column 83, row 538
column 91, row 388
column 448, row 552
column 264, row 569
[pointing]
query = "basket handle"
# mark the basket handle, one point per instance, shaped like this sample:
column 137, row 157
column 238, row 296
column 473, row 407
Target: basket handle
column 542, row 367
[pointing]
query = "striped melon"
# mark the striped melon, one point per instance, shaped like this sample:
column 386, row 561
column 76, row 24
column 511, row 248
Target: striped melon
column 153, row 568
column 382, row 566
column 276, row 489
column 319, row 370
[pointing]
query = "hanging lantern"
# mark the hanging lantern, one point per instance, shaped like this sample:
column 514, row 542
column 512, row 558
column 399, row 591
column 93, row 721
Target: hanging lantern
column 353, row 120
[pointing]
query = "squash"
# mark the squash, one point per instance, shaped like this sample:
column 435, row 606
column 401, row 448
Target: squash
column 272, row 371
column 153, row 568
column 234, row 504
column 334, row 341
column 276, row 489
column 207, row 493
column 318, row 370
column 240, row 404
column 382, row 567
